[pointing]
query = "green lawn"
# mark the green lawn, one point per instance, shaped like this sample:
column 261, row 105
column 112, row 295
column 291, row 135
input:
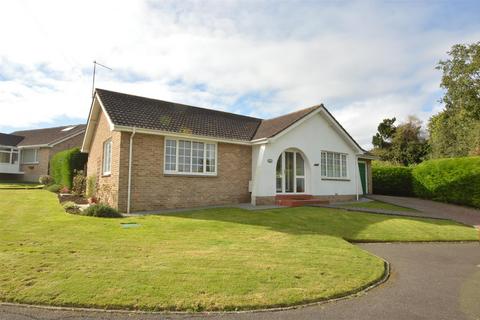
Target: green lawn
column 378, row 205
column 218, row 259
column 19, row 185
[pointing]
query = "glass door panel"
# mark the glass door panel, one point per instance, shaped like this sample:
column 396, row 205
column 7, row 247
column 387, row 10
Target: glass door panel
column 289, row 172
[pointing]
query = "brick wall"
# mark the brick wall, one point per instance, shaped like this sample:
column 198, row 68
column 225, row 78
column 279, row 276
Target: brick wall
column 33, row 171
column 106, row 185
column 152, row 190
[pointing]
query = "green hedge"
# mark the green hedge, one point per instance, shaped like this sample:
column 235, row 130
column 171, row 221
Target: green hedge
column 392, row 180
column 64, row 163
column 454, row 180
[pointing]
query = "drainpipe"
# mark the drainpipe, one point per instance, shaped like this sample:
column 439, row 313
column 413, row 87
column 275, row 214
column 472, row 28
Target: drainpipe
column 356, row 178
column 130, row 153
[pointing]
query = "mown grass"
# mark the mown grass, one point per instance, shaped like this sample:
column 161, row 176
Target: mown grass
column 19, row 185
column 378, row 205
column 217, row 259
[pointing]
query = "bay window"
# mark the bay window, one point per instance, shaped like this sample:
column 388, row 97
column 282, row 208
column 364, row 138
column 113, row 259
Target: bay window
column 190, row 157
column 334, row 165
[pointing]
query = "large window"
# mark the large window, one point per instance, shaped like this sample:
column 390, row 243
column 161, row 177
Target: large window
column 190, row 157
column 334, row 165
column 8, row 155
column 29, row 156
column 290, row 173
column 107, row 157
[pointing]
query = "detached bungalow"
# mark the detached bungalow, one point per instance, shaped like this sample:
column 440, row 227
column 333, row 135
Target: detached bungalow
column 150, row 154
column 25, row 155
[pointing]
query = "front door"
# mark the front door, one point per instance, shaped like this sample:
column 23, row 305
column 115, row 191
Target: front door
column 362, row 169
column 290, row 173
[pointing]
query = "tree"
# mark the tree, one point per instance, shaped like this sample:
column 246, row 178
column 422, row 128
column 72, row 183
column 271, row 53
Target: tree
column 455, row 131
column 403, row 144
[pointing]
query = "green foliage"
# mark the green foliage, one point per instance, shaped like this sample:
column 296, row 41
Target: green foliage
column 91, row 186
column 454, row 180
column 45, row 180
column 79, row 183
column 64, row 163
column 404, row 144
column 455, row 132
column 101, row 210
column 54, row 188
column 392, row 180
column 71, row 207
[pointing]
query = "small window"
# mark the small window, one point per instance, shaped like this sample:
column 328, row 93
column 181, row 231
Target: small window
column 334, row 165
column 190, row 157
column 29, row 156
column 107, row 157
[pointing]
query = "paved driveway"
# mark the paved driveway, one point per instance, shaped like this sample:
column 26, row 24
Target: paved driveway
column 428, row 281
column 435, row 209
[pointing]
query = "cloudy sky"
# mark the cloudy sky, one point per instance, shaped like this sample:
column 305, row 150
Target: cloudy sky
column 364, row 60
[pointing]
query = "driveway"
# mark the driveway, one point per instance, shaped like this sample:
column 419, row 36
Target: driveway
column 428, row 281
column 434, row 209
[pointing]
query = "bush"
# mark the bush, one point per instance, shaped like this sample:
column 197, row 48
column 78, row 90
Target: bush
column 45, row 180
column 454, row 180
column 392, row 180
column 71, row 207
column 54, row 188
column 64, row 190
column 79, row 183
column 91, row 186
column 64, row 163
column 101, row 210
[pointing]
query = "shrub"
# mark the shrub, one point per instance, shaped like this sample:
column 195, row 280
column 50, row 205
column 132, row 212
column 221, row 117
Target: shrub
column 45, row 180
column 71, row 207
column 91, row 186
column 454, row 180
column 392, row 180
column 101, row 210
column 64, row 163
column 54, row 188
column 79, row 183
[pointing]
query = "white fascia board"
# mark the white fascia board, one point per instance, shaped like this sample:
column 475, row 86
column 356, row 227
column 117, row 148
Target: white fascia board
column 178, row 135
column 97, row 105
column 36, row 146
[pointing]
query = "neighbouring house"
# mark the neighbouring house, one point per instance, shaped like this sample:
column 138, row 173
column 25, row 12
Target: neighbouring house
column 149, row 154
column 25, row 155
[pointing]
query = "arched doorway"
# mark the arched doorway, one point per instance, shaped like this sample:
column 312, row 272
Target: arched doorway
column 290, row 172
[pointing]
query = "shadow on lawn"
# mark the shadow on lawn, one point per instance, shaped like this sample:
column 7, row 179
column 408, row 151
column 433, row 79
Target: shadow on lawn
column 306, row 220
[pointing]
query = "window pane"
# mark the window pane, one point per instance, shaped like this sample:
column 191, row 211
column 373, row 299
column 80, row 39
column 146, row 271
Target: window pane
column 14, row 158
column 336, row 168
column 107, row 156
column 197, row 156
column 324, row 164
column 210, row 157
column 184, row 156
column 279, row 174
column 300, row 184
column 289, row 176
column 29, row 155
column 344, row 165
column 329, row 164
column 170, row 155
column 300, row 167
column 4, row 157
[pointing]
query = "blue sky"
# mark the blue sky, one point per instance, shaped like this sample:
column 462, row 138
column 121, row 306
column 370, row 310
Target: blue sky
column 365, row 60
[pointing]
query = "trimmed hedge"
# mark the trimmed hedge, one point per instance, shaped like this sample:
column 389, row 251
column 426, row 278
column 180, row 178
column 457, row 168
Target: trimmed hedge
column 64, row 163
column 392, row 180
column 454, row 180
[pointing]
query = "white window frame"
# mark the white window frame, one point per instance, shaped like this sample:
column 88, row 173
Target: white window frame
column 106, row 172
column 326, row 176
column 30, row 162
column 295, row 176
column 176, row 172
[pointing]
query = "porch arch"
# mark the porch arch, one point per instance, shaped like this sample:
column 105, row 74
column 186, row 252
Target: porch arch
column 292, row 172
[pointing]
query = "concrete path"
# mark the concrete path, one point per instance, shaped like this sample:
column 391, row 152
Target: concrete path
column 428, row 281
column 435, row 209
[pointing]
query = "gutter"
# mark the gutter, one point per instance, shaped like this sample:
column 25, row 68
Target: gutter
column 130, row 153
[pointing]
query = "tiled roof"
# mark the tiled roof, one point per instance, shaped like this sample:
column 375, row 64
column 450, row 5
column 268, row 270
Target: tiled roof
column 48, row 135
column 270, row 127
column 134, row 111
column 9, row 139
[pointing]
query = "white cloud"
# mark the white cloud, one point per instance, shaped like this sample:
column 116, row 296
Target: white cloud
column 365, row 60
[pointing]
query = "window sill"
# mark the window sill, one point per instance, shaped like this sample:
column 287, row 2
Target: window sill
column 336, row 179
column 104, row 175
column 30, row 163
column 189, row 175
